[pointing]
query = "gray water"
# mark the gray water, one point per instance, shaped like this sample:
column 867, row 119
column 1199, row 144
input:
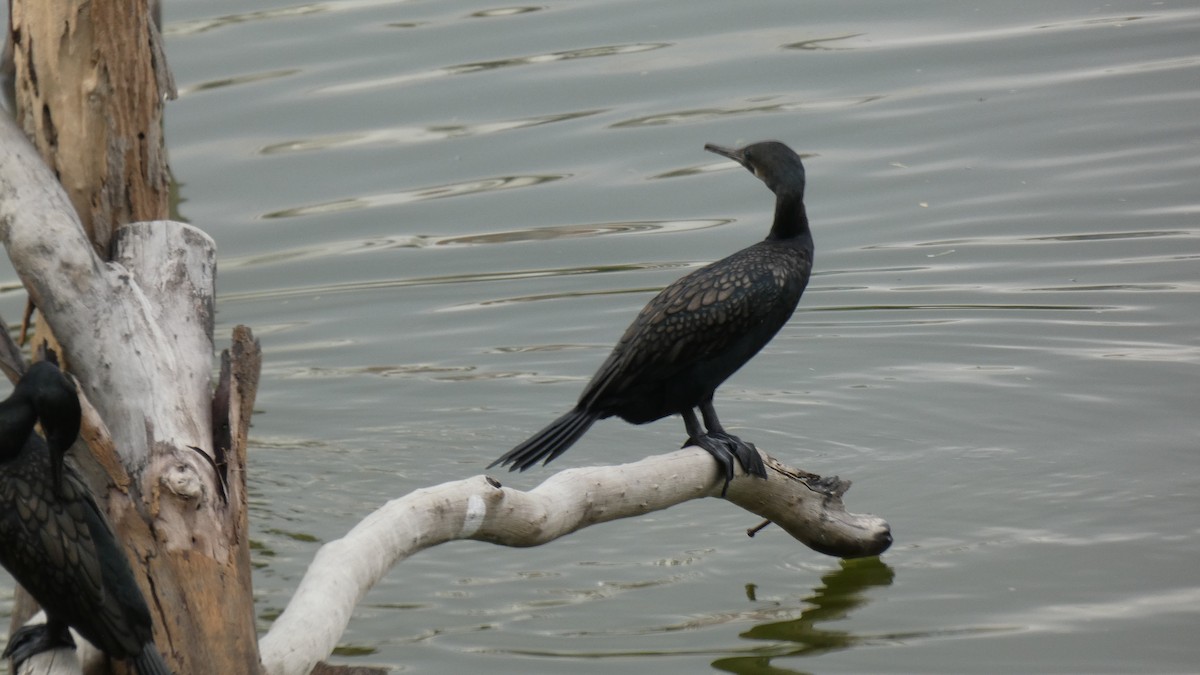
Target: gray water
column 439, row 216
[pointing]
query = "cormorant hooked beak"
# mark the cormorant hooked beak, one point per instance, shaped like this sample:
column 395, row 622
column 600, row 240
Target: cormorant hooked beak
column 736, row 154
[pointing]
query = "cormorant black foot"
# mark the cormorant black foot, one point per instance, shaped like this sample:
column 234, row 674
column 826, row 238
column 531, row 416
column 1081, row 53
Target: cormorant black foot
column 725, row 447
column 721, row 450
column 29, row 641
column 747, row 455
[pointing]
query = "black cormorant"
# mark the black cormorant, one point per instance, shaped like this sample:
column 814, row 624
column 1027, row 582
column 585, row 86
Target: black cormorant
column 55, row 541
column 699, row 330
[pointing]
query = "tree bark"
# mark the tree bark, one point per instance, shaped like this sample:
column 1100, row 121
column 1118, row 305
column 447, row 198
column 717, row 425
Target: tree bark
column 137, row 332
column 90, row 81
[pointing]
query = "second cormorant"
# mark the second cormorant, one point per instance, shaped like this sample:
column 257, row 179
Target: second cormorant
column 699, row 330
column 55, row 541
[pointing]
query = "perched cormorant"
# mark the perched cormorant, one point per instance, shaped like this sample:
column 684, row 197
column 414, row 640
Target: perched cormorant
column 55, row 541
column 699, row 330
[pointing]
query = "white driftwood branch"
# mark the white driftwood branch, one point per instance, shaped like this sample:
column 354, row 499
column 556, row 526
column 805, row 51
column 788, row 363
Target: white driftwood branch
column 806, row 506
column 107, row 314
column 53, row 662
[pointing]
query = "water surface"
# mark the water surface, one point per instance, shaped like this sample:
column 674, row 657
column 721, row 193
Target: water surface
column 439, row 216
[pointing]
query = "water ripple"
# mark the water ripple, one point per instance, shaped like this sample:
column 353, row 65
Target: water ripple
column 422, row 371
column 822, row 44
column 353, row 246
column 756, row 107
column 198, row 26
column 248, row 78
column 547, row 296
column 1010, row 32
column 1083, row 616
column 385, row 284
column 417, row 134
column 1007, row 240
column 484, row 66
column 204, row 25
column 1001, row 306
column 505, row 11
column 418, row 195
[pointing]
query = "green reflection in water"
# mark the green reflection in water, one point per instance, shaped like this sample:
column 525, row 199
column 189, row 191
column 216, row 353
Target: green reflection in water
column 841, row 592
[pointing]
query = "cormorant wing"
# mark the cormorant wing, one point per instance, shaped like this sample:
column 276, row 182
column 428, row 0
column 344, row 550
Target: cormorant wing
column 697, row 318
column 60, row 549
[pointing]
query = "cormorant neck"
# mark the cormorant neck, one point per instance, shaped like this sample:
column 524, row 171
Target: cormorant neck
column 791, row 220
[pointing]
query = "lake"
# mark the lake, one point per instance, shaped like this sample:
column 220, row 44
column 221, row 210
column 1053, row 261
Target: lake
column 439, row 217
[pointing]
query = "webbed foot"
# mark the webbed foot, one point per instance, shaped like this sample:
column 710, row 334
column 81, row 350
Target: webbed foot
column 747, row 455
column 721, row 450
column 29, row 641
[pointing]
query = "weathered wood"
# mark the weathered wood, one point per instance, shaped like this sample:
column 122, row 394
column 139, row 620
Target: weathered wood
column 90, row 81
column 137, row 332
column 805, row 505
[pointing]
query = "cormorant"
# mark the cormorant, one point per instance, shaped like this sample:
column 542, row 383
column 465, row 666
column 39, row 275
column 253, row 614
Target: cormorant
column 699, row 330
column 54, row 539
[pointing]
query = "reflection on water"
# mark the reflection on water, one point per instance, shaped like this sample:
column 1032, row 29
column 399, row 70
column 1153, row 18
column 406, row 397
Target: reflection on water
column 843, row 591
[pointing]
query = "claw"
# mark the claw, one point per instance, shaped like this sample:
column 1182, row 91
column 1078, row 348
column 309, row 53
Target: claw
column 29, row 641
column 747, row 455
column 719, row 448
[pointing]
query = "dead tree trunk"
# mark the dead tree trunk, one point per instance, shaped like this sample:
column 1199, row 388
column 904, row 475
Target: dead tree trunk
column 90, row 84
column 133, row 309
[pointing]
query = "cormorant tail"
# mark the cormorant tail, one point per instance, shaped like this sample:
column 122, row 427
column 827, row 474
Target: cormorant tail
column 150, row 662
column 550, row 442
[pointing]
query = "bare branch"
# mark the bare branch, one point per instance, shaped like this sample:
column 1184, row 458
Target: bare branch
column 805, row 505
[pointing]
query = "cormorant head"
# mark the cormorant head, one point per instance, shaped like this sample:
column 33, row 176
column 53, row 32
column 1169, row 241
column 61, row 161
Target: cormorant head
column 774, row 163
column 57, row 407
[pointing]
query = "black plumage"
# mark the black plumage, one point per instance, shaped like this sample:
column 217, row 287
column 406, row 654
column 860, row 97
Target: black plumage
column 55, row 541
column 699, row 330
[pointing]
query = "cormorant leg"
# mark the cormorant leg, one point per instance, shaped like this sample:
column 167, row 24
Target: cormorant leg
column 716, row 447
column 29, row 641
column 746, row 453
